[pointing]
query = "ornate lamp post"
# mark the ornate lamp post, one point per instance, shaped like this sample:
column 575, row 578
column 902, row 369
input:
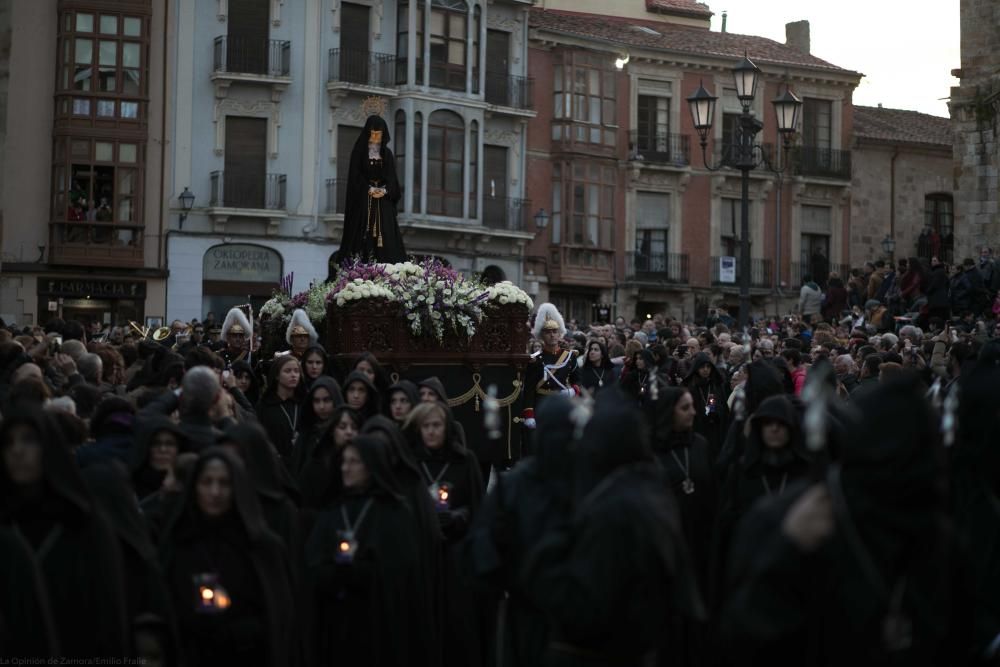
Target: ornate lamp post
column 745, row 154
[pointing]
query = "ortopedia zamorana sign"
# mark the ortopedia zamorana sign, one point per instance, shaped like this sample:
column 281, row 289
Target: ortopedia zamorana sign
column 243, row 263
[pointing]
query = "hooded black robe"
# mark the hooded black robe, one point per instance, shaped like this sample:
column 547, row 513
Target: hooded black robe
column 613, row 581
column 371, row 231
column 26, row 625
column 311, row 428
column 250, row 563
column 74, row 545
column 891, row 556
column 320, row 481
column 373, row 404
column 712, row 393
column 408, row 388
column 374, row 609
column 145, row 480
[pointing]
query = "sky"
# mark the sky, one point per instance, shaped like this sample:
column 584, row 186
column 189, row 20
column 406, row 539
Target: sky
column 905, row 49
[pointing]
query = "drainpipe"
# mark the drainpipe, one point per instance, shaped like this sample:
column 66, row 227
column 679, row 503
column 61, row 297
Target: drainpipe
column 161, row 260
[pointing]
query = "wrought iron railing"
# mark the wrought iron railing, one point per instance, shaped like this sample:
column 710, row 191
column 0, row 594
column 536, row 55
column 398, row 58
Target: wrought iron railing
column 665, row 148
column 363, row 67
column 508, row 91
column 823, row 162
column 252, row 55
column 242, row 192
column 657, row 267
column 760, row 273
column 506, row 213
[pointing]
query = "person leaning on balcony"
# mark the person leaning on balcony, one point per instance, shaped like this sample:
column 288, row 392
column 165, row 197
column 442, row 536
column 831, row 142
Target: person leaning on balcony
column 810, row 299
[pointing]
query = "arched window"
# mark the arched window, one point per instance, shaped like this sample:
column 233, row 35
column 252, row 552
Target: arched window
column 448, row 42
column 445, row 163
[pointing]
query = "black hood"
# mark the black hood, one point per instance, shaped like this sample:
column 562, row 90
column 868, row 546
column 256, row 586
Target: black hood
column 59, row 473
column 434, row 384
column 110, row 488
column 147, row 426
column 260, row 459
column 780, row 408
column 615, row 436
column 763, row 381
column 377, row 453
column 702, row 359
column 977, row 450
column 553, row 438
column 401, row 453
column 374, row 402
column 309, row 418
column 660, row 414
column 408, row 388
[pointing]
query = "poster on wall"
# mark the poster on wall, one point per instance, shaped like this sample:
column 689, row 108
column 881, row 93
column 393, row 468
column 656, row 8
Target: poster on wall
column 727, row 269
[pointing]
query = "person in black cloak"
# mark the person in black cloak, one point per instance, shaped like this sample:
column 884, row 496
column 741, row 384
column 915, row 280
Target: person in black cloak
column 635, row 383
column 975, row 487
column 400, row 399
column 762, row 381
column 280, row 408
column 145, row 592
column 365, row 569
column 246, row 380
column 860, row 568
column 685, row 459
column 249, row 443
column 111, row 426
column 322, row 399
column 26, row 625
column 158, row 441
column 368, row 364
column 319, row 481
column 227, row 573
column 597, row 371
column 524, row 505
column 452, row 477
column 613, row 580
column 371, row 231
column 44, row 500
column 711, row 410
column 315, row 364
column 361, row 395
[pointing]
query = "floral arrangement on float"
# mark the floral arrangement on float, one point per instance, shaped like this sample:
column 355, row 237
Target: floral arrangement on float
column 435, row 297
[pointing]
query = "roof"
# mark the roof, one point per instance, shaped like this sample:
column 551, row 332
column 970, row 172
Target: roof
column 682, row 7
column 901, row 126
column 659, row 35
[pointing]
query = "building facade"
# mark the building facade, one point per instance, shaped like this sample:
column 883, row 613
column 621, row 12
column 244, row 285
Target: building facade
column 902, row 186
column 270, row 99
column 975, row 107
column 82, row 160
column 638, row 224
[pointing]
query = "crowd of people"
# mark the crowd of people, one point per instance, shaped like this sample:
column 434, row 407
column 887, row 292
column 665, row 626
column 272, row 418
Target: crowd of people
column 809, row 490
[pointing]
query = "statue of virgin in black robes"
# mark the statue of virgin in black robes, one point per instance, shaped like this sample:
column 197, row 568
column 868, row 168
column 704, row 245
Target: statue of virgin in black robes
column 370, row 228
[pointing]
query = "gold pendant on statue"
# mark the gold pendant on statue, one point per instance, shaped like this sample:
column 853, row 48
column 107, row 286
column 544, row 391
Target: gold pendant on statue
column 687, row 486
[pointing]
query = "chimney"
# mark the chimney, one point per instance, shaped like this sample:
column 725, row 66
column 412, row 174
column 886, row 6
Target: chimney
column 724, row 15
column 797, row 36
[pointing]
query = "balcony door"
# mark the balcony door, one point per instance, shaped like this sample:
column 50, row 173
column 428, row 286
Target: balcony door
column 498, row 89
column 495, row 186
column 246, row 162
column 247, row 36
column 354, row 32
column 346, row 136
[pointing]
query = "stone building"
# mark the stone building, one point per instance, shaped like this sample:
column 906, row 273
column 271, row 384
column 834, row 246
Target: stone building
column 975, row 107
column 83, row 130
column 269, row 98
column 902, row 185
column 638, row 224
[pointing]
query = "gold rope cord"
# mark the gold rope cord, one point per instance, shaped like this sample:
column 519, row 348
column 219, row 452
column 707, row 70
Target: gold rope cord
column 477, row 392
column 374, row 227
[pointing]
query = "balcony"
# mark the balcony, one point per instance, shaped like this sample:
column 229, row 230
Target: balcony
column 760, row 274
column 661, row 149
column 728, row 154
column 254, row 60
column 245, row 197
column 506, row 213
column 510, row 92
column 102, row 244
column 657, row 268
column 819, row 271
column 822, row 162
column 367, row 69
column 581, row 265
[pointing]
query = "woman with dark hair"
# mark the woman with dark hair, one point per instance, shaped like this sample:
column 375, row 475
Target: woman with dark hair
column 46, row 503
column 246, row 381
column 318, row 407
column 709, row 390
column 369, row 365
column 597, row 372
column 280, row 408
column 227, row 573
column 318, row 480
column 249, row 443
column 315, row 364
column 636, row 381
column 158, row 441
column 401, row 398
column 452, row 477
column 835, row 299
column 145, row 592
column 361, row 394
column 364, row 561
column 370, row 228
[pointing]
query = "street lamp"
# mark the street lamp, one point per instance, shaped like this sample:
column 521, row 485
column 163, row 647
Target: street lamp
column 745, row 154
column 187, row 201
column 889, row 246
column 541, row 220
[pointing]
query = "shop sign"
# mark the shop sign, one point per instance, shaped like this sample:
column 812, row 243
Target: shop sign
column 92, row 288
column 242, row 262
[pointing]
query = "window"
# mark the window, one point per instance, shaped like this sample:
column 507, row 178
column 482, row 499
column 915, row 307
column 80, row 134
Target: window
column 938, row 238
column 584, row 89
column 445, row 163
column 585, row 205
column 816, row 123
column 102, row 58
column 653, row 120
column 97, row 181
column 403, row 41
column 814, row 250
column 652, row 225
column 448, row 37
column 418, row 151
column 728, row 224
